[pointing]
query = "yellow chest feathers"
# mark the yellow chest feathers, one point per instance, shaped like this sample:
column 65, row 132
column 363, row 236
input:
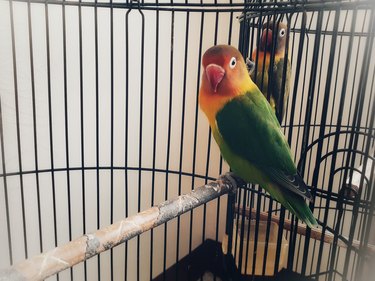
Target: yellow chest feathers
column 211, row 103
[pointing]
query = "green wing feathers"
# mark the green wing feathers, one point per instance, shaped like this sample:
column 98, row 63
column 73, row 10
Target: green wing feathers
column 294, row 203
column 250, row 128
column 251, row 131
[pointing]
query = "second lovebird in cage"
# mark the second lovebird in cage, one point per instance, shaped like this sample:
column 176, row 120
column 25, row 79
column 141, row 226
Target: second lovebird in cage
column 272, row 86
column 248, row 132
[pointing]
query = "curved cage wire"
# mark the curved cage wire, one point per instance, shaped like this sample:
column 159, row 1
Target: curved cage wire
column 99, row 120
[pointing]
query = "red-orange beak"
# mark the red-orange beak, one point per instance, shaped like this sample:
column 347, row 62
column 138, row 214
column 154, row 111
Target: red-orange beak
column 266, row 39
column 215, row 73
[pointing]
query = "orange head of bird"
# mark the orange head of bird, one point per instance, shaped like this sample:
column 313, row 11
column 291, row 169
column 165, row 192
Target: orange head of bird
column 224, row 71
column 224, row 77
column 268, row 36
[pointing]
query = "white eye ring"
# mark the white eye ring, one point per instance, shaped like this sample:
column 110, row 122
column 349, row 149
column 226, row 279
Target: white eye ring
column 232, row 62
column 282, row 32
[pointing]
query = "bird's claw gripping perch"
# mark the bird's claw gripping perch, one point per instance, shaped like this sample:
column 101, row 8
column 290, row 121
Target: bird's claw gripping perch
column 234, row 180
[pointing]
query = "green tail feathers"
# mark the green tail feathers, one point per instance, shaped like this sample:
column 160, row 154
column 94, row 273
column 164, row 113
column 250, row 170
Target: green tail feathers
column 298, row 207
column 294, row 203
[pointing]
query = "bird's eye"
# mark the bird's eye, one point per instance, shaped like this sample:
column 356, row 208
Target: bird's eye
column 232, row 62
column 282, row 32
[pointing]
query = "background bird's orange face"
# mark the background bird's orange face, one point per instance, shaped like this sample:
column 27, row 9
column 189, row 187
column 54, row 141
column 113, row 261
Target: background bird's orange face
column 268, row 30
column 224, row 70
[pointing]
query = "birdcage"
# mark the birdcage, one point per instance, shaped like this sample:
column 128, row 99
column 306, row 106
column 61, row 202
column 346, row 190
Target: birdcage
column 108, row 166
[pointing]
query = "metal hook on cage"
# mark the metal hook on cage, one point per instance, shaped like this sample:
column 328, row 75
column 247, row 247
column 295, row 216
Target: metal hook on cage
column 139, row 4
column 138, row 8
column 135, row 3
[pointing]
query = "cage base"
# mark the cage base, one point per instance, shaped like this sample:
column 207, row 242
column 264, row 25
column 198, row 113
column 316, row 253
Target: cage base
column 207, row 262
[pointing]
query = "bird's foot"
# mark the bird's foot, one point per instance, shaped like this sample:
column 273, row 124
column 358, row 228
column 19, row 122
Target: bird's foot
column 234, row 180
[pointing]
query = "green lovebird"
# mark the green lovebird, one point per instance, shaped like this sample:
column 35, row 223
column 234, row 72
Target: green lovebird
column 261, row 76
column 248, row 132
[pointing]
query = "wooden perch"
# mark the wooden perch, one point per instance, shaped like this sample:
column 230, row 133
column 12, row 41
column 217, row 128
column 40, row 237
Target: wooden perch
column 62, row 257
column 316, row 233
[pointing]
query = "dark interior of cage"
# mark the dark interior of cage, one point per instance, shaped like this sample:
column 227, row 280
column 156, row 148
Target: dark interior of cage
column 244, row 234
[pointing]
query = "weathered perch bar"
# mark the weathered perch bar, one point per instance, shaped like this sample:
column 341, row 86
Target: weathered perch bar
column 301, row 229
column 44, row 265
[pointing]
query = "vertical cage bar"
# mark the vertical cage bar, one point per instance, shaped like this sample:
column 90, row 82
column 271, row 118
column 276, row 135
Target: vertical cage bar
column 35, row 128
column 67, row 162
column 140, row 135
column 155, row 132
column 112, row 131
column 298, row 71
column 52, row 163
column 242, row 230
column 126, row 133
column 16, row 97
column 182, row 133
column 5, row 181
column 168, row 139
column 82, row 128
column 97, row 118
column 256, row 232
